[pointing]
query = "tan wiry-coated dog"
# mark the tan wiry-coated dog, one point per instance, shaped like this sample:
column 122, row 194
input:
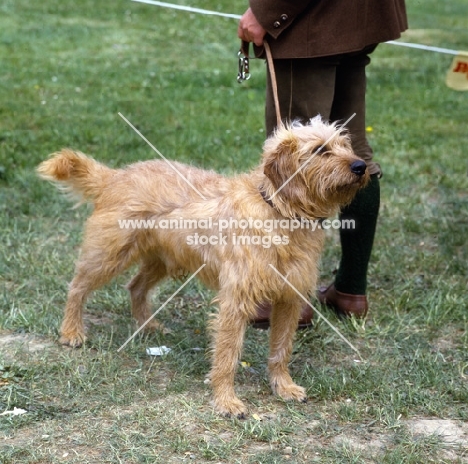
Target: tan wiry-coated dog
column 316, row 171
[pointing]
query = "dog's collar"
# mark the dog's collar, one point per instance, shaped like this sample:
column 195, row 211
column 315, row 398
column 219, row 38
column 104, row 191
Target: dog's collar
column 267, row 200
column 270, row 203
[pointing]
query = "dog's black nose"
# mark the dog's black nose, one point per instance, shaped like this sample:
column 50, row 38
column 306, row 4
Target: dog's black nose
column 358, row 167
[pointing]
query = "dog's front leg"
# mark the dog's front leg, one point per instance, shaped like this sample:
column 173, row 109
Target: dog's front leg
column 229, row 329
column 284, row 320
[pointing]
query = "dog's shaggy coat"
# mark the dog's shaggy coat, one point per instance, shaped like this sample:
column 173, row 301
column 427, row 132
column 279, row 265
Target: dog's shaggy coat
column 316, row 171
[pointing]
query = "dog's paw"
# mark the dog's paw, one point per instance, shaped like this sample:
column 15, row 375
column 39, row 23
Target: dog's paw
column 73, row 340
column 231, row 408
column 291, row 392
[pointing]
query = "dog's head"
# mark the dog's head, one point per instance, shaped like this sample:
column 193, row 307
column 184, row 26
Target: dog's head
column 311, row 169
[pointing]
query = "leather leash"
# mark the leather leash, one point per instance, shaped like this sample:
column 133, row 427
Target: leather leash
column 244, row 73
column 274, row 85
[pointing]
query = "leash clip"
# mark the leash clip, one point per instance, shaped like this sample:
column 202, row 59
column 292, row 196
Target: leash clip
column 244, row 69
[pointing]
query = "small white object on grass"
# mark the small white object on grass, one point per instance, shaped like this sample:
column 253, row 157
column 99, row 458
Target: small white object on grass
column 158, row 350
column 16, row 412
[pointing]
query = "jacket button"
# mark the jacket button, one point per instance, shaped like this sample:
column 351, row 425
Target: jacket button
column 276, row 24
column 284, row 17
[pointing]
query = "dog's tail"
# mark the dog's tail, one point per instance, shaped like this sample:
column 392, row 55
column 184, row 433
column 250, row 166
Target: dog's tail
column 76, row 173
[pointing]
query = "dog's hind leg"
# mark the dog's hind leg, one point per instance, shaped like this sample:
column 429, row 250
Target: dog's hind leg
column 229, row 327
column 151, row 272
column 99, row 262
column 284, row 320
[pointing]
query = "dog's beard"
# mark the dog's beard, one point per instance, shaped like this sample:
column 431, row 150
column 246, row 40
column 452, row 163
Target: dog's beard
column 350, row 187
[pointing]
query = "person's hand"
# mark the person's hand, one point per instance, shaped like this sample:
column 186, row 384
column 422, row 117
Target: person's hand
column 250, row 30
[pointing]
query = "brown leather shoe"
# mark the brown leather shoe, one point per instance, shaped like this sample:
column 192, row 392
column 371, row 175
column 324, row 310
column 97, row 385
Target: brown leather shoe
column 344, row 304
column 262, row 319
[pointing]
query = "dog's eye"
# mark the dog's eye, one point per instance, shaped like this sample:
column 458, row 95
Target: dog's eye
column 321, row 150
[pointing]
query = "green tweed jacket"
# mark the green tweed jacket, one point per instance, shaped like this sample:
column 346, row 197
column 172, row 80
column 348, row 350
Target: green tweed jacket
column 313, row 28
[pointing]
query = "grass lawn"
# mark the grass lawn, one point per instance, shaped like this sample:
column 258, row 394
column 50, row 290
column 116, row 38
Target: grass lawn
column 67, row 69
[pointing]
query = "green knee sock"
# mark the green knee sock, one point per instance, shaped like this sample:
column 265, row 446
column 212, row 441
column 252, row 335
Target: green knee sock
column 356, row 244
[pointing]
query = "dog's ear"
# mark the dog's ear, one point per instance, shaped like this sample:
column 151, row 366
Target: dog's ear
column 281, row 162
